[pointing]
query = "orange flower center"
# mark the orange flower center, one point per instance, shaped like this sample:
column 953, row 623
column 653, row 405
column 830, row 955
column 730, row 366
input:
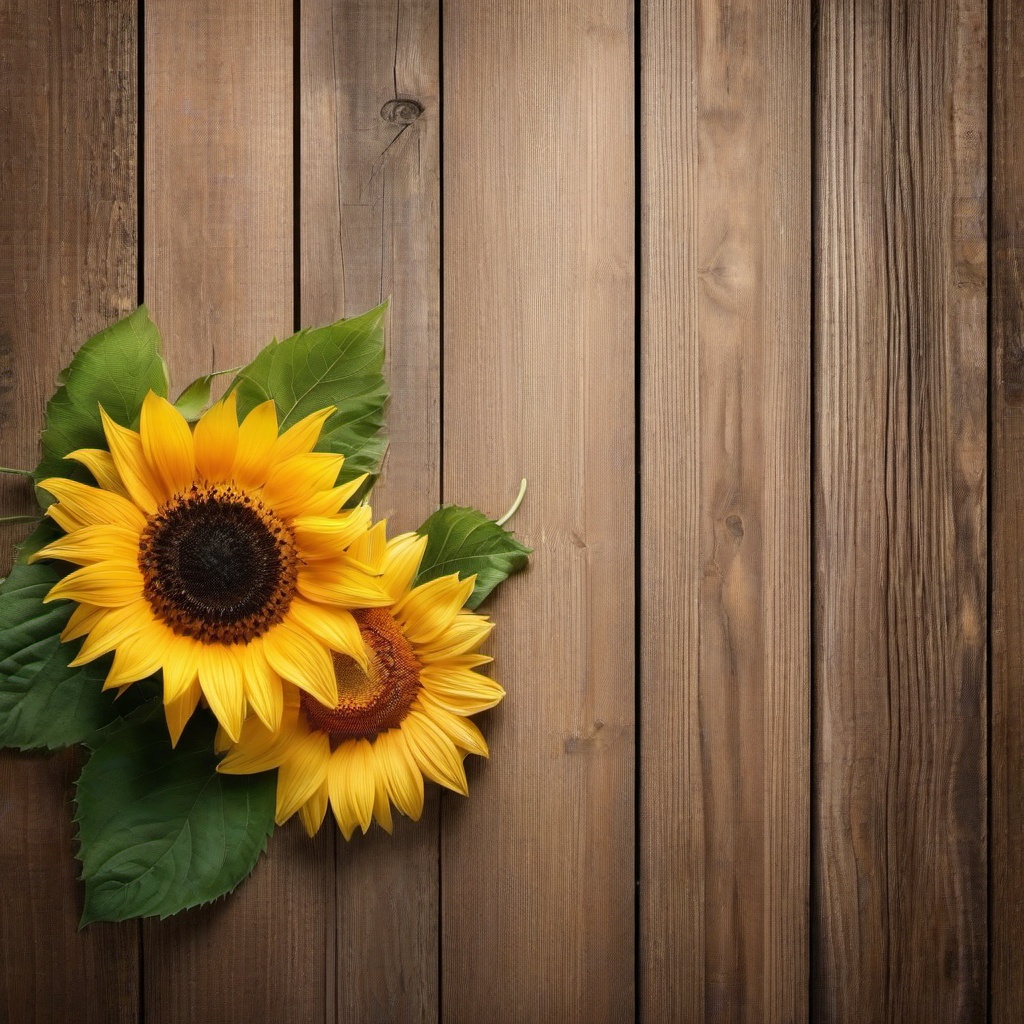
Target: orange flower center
column 375, row 701
column 217, row 565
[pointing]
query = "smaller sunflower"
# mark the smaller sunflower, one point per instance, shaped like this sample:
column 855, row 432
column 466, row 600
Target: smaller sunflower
column 402, row 718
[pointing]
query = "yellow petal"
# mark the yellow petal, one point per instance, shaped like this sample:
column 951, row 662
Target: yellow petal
column 93, row 544
column 351, row 786
column 100, row 463
column 302, row 774
column 434, row 753
column 329, row 502
column 263, row 686
column 429, row 610
column 132, row 467
column 106, row 585
column 83, row 618
column 381, row 802
column 181, row 670
column 462, row 732
column 216, row 440
column 294, row 655
column 179, row 711
column 344, row 585
column 260, row 750
column 113, row 628
column 301, row 437
column 460, row 690
column 313, row 810
column 256, row 437
column 81, row 505
column 465, row 634
column 328, row 536
column 220, row 675
column 371, row 548
column 137, row 658
column 401, row 563
column 293, row 484
column 335, row 627
column 404, row 779
column 167, row 444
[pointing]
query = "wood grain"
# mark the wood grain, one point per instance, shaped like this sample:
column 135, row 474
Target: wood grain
column 900, row 433
column 219, row 281
column 1006, row 897
column 537, row 866
column 67, row 269
column 370, row 230
column 725, row 499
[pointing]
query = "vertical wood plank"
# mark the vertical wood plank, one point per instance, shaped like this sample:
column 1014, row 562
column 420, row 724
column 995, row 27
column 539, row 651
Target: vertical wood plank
column 1006, row 898
column 725, row 499
column 370, row 230
column 68, row 264
column 218, row 239
column 900, row 246
column 537, row 866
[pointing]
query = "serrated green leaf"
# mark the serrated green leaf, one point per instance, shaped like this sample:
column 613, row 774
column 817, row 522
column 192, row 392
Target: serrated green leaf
column 465, row 541
column 43, row 702
column 336, row 365
column 160, row 829
column 116, row 369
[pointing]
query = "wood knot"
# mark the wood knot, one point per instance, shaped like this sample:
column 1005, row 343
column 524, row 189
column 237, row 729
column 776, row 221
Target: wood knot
column 401, row 111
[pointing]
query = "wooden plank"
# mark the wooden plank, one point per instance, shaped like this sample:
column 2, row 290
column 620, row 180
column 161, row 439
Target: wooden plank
column 219, row 280
column 370, row 230
column 67, row 269
column 538, row 865
column 1006, row 897
column 725, row 688
column 900, row 513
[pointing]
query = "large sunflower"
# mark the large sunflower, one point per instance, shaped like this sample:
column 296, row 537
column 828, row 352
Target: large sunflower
column 218, row 555
column 399, row 718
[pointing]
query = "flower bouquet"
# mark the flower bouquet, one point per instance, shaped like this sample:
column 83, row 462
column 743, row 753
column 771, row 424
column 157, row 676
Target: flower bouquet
column 207, row 605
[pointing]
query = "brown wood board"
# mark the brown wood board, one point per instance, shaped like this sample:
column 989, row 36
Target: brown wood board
column 370, row 231
column 1006, row 231
column 219, row 280
column 725, row 498
column 68, row 246
column 537, row 866
column 900, row 512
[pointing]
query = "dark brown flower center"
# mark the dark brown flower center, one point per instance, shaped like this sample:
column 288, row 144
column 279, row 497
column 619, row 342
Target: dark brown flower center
column 218, row 565
column 375, row 701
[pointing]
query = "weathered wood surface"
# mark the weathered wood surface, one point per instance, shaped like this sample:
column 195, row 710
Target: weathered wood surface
column 537, row 867
column 370, row 230
column 725, row 498
column 899, row 815
column 800, row 706
column 68, row 264
column 1006, row 495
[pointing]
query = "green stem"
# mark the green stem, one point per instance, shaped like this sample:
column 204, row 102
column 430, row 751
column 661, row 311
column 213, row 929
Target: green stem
column 11, row 520
column 15, row 472
column 515, row 504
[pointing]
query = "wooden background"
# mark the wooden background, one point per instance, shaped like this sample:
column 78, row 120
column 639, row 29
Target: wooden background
column 736, row 285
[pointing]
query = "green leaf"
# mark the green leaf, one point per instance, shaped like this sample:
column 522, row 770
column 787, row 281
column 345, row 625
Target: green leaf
column 337, row 365
column 465, row 541
column 195, row 398
column 192, row 402
column 116, row 369
column 44, row 702
column 160, row 829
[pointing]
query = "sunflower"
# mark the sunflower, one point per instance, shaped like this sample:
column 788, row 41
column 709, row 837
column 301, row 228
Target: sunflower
column 218, row 555
column 399, row 718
